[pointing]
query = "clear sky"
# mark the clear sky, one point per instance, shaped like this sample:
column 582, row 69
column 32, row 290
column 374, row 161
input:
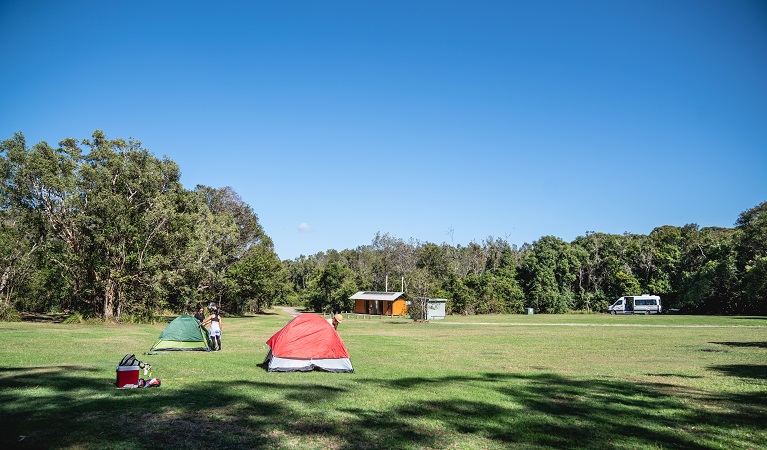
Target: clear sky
column 442, row 121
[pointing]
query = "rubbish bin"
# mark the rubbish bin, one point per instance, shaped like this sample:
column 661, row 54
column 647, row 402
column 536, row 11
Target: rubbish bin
column 529, row 310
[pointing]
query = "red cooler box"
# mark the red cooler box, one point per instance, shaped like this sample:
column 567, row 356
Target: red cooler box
column 127, row 375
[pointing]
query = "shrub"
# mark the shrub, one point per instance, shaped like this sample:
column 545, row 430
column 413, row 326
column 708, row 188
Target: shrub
column 9, row 314
column 75, row 317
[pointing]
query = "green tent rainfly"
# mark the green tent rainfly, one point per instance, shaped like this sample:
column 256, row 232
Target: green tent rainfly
column 183, row 333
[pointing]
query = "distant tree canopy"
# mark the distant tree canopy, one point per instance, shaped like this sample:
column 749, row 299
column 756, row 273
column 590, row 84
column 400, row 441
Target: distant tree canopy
column 110, row 231
column 105, row 228
column 697, row 270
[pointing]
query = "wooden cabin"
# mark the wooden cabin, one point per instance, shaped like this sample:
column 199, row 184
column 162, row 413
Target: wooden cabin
column 380, row 303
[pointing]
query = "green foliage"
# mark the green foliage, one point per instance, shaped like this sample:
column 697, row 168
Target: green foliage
column 104, row 227
column 258, row 280
column 111, row 231
column 752, row 258
column 138, row 318
column 74, row 318
column 548, row 276
column 627, row 283
column 755, row 286
column 703, row 270
column 292, row 299
column 330, row 288
column 9, row 314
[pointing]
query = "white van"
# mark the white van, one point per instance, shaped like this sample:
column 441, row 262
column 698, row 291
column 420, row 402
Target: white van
column 636, row 304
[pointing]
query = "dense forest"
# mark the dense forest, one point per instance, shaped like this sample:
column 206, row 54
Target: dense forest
column 104, row 228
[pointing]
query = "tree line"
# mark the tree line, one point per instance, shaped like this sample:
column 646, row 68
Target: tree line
column 105, row 228
column 707, row 270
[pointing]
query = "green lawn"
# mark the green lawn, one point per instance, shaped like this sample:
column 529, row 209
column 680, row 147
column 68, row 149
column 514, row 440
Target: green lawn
column 537, row 381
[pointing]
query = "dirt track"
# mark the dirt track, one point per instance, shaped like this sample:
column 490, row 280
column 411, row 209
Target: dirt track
column 289, row 310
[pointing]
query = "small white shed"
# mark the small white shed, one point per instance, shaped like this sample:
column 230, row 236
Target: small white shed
column 435, row 309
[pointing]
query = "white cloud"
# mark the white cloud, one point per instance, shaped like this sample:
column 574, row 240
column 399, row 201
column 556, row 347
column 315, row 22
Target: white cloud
column 305, row 227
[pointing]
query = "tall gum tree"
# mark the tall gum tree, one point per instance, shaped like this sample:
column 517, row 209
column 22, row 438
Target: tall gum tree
column 124, row 195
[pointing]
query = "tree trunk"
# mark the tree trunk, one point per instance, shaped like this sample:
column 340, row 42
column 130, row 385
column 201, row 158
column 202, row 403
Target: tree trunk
column 109, row 298
column 4, row 284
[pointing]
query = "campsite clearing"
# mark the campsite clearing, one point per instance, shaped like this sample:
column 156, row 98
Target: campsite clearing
column 534, row 381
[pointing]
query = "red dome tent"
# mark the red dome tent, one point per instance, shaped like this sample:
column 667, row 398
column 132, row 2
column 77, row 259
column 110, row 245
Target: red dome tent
column 306, row 343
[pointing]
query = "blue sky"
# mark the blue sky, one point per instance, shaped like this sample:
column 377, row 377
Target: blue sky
column 442, row 121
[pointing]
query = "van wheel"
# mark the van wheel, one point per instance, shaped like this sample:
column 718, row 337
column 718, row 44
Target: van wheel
column 612, row 312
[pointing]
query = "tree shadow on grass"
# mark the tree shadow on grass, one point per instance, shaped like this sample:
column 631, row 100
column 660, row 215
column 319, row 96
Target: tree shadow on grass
column 673, row 375
column 54, row 407
column 743, row 344
column 558, row 412
column 753, row 371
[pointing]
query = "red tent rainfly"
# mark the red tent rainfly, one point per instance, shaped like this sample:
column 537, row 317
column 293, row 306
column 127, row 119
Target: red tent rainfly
column 306, row 343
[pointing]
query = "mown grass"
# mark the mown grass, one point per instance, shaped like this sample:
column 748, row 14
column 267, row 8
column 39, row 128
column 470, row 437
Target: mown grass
column 539, row 381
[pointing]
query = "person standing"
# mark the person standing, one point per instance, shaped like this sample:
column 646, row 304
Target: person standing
column 215, row 327
column 200, row 314
column 335, row 320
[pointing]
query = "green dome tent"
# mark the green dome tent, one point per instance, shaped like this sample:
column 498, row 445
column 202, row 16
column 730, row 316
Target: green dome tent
column 183, row 333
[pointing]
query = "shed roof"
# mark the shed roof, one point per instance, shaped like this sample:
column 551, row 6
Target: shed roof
column 376, row 295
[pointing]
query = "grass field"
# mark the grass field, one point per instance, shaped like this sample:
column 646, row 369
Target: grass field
column 539, row 381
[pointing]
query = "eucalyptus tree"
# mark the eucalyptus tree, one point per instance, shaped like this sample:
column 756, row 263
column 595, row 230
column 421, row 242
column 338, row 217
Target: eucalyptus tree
column 405, row 260
column 714, row 287
column 330, row 289
column 226, row 202
column 126, row 199
column 752, row 234
column 422, row 284
column 548, row 272
column 20, row 238
column 384, row 247
column 495, row 250
column 300, row 270
column 258, row 280
column 475, row 258
column 752, row 258
column 19, row 244
column 461, row 296
column 361, row 262
column 38, row 196
column 435, row 260
column 214, row 246
column 213, row 230
column 493, row 292
column 663, row 276
column 197, row 252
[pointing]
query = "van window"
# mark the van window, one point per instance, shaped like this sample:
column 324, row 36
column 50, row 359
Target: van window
column 647, row 302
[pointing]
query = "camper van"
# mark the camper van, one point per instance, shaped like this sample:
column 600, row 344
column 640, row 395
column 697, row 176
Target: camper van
column 636, row 304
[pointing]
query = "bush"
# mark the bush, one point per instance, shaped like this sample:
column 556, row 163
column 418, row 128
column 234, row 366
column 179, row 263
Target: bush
column 75, row 317
column 145, row 318
column 9, row 314
column 292, row 300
